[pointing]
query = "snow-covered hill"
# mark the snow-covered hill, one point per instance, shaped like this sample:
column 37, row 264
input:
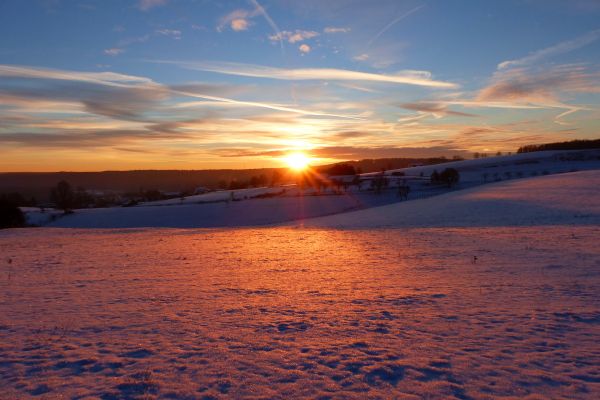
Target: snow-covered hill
column 245, row 207
column 491, row 169
column 572, row 198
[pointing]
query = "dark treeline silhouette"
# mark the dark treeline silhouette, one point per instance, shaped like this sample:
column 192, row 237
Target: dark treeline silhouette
column 39, row 184
column 571, row 145
column 18, row 199
column 338, row 169
column 376, row 165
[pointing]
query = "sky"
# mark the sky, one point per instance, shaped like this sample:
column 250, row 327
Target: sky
column 181, row 84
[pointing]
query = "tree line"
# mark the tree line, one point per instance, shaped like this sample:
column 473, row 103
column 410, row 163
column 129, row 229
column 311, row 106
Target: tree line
column 570, row 145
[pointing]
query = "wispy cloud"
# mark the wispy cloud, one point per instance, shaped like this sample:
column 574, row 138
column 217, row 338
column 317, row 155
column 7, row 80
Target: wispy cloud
column 293, row 37
column 174, row 33
column 349, row 152
column 358, row 87
column 332, row 29
column 115, row 51
column 418, row 78
column 541, row 85
column 131, row 40
column 100, row 78
column 560, row 48
column 436, row 109
column 146, row 5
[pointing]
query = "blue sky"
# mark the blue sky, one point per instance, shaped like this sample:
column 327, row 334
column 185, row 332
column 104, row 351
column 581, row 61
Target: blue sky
column 94, row 85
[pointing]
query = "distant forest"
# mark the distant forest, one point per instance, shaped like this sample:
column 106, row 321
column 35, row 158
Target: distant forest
column 571, row 145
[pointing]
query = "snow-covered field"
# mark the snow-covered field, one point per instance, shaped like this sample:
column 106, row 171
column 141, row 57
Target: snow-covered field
column 290, row 313
column 493, row 294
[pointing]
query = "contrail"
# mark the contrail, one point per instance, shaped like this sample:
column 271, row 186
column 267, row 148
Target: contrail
column 263, row 105
column 270, row 22
column 279, row 36
column 395, row 21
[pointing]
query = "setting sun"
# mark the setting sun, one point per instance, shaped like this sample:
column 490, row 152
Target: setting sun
column 297, row 161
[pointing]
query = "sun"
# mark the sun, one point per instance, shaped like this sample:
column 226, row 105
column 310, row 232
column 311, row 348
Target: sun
column 297, row 161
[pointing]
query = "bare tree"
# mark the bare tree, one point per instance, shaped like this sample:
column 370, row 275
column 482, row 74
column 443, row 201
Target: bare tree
column 63, row 196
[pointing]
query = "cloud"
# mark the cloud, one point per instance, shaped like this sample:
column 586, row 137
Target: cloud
column 361, row 57
column 132, row 40
column 124, row 96
column 434, row 108
column 350, row 152
column 115, row 51
column 412, row 119
column 102, row 93
column 216, row 89
column 540, row 85
column 560, row 48
column 86, row 138
column 123, row 103
column 100, row 78
column 174, row 33
column 418, row 78
column 331, row 29
column 535, row 88
column 293, row 37
column 146, row 5
column 304, row 48
column 239, row 24
column 238, row 20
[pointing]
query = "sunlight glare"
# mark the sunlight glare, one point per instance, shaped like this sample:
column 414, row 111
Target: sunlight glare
column 297, row 161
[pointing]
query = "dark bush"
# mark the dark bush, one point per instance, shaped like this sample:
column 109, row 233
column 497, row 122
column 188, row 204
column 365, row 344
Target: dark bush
column 449, row 176
column 11, row 215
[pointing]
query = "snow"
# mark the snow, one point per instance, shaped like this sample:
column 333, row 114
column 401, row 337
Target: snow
column 230, row 214
column 300, row 313
column 35, row 216
column 216, row 196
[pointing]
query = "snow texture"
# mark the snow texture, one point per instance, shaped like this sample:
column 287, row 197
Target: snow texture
column 298, row 313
